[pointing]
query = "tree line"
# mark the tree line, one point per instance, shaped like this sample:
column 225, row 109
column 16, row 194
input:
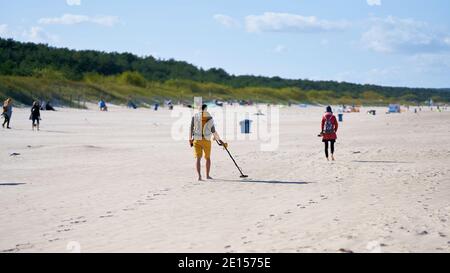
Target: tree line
column 30, row 59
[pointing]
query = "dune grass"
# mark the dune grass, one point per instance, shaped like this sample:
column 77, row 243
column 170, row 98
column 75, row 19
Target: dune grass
column 120, row 89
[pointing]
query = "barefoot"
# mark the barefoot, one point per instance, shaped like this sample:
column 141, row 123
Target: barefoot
column 209, row 178
column 328, row 159
column 200, row 178
column 332, row 158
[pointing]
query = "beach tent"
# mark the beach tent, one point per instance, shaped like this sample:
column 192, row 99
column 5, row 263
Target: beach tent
column 394, row 108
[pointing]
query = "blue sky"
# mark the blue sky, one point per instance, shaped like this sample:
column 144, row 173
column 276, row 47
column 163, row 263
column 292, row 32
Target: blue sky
column 387, row 42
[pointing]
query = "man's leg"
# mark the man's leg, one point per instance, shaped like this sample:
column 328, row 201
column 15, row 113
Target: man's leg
column 198, row 166
column 207, row 150
column 198, row 156
column 208, row 168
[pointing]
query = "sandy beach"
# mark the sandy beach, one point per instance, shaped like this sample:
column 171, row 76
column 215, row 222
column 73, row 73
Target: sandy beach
column 117, row 181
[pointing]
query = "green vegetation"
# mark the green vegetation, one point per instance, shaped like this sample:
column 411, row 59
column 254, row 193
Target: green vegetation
column 67, row 77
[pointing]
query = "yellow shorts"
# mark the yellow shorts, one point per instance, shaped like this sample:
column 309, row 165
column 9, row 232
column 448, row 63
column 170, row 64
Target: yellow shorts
column 202, row 147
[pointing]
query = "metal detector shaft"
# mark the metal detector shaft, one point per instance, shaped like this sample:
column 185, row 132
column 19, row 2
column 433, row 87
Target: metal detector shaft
column 234, row 161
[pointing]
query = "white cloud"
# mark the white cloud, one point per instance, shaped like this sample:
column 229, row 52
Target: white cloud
column 287, row 22
column 279, row 49
column 374, row 2
column 72, row 19
column 395, row 35
column 38, row 35
column 447, row 41
column 226, row 20
column 34, row 34
column 73, row 2
column 4, row 31
column 430, row 61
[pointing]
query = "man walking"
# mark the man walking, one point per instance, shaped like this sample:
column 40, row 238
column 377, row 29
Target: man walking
column 202, row 128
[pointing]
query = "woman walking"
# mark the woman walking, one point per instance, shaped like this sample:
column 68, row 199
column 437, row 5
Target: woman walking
column 329, row 128
column 7, row 112
column 35, row 115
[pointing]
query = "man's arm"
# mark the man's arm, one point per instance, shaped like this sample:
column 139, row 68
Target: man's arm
column 216, row 136
column 191, row 133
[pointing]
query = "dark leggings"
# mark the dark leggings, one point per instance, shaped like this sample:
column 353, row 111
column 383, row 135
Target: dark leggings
column 6, row 120
column 326, row 147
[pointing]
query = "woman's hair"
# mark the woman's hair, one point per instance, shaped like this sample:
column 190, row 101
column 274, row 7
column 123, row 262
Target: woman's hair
column 329, row 110
column 7, row 102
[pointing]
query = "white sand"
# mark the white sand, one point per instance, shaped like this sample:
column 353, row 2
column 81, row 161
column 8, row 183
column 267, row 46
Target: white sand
column 116, row 181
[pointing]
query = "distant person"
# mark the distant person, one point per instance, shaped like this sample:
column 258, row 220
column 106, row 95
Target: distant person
column 35, row 115
column 156, row 106
column 102, row 106
column 329, row 128
column 7, row 113
column 131, row 104
column 202, row 128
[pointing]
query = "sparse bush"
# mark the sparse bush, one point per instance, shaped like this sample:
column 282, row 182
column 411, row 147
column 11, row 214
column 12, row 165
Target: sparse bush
column 132, row 78
column 49, row 74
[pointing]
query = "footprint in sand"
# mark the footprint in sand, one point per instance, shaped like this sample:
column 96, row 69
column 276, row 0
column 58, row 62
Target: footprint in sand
column 107, row 215
column 78, row 222
column 19, row 247
column 140, row 203
column 344, row 250
column 63, row 230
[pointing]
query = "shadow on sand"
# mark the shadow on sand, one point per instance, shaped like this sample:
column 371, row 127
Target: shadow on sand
column 12, row 184
column 382, row 161
column 267, row 181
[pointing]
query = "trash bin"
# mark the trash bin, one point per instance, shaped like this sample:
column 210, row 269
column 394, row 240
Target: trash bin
column 341, row 117
column 245, row 126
